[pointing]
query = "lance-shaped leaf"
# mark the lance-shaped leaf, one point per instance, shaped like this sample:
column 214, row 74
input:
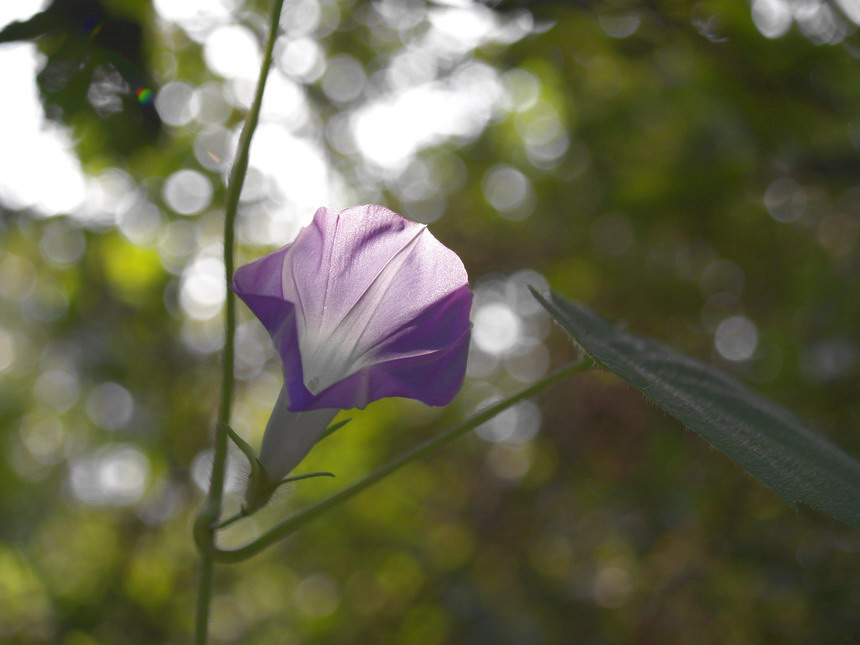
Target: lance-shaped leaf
column 762, row 437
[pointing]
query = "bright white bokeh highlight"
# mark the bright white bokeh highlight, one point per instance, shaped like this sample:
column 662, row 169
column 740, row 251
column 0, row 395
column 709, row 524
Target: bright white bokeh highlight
column 496, row 328
column 771, row 17
column 187, row 192
column 300, row 18
column 736, row 338
column 141, row 225
column 214, row 148
column 508, row 328
column 202, row 293
column 113, row 476
column 344, row 79
column 109, row 196
column 210, row 104
column 509, row 191
column 233, row 52
column 521, row 90
column 285, row 103
column 34, row 150
column 301, row 179
column 463, row 25
column 302, row 59
column 20, row 10
column 816, row 19
column 851, row 9
column 389, row 131
column 197, row 17
column 176, row 104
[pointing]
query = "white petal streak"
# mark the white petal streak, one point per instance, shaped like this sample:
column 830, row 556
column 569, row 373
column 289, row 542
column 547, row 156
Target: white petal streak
column 368, row 302
column 344, row 348
column 328, row 258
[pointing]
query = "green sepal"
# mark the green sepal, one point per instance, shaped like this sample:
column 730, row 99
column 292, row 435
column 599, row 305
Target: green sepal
column 260, row 489
column 334, row 428
column 295, row 478
column 243, row 445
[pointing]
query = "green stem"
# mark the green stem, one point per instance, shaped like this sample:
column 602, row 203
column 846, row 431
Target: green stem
column 204, row 597
column 204, row 527
column 422, row 450
column 230, row 520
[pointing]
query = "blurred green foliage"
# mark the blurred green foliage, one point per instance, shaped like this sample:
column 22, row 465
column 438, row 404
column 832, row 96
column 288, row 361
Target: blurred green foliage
column 672, row 167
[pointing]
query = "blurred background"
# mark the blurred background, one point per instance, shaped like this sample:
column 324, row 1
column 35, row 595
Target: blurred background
column 690, row 169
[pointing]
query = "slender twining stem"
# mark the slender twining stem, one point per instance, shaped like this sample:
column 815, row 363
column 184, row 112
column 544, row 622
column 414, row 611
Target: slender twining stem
column 424, row 449
column 204, row 528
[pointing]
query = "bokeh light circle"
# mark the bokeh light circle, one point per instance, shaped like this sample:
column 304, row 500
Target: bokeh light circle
column 187, row 192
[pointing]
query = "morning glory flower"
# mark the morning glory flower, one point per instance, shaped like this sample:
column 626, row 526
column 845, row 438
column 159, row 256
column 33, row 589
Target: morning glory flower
column 364, row 304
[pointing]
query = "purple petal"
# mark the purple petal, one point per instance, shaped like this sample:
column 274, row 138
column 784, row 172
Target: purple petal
column 364, row 304
column 420, row 361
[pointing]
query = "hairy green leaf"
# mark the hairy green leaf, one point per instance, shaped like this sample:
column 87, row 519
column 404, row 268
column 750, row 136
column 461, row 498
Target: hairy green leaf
column 768, row 441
